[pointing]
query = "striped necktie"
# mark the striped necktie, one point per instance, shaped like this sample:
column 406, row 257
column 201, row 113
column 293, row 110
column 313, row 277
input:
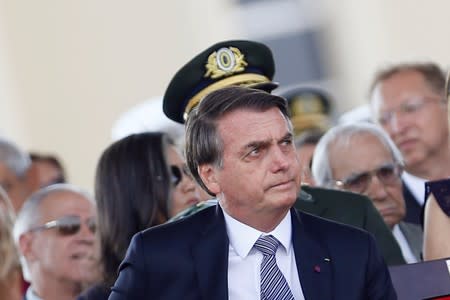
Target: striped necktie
column 273, row 284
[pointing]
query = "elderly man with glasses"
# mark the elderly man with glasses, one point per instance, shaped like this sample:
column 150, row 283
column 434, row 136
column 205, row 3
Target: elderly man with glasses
column 55, row 235
column 361, row 158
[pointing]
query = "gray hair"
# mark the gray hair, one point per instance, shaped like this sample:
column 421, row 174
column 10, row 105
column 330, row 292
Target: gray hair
column 432, row 73
column 14, row 158
column 203, row 142
column 30, row 214
column 9, row 256
column 340, row 136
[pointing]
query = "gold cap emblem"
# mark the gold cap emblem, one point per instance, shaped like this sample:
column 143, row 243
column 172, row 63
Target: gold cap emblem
column 225, row 62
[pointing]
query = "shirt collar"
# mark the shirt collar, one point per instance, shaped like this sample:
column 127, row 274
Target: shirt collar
column 242, row 237
column 416, row 186
column 30, row 295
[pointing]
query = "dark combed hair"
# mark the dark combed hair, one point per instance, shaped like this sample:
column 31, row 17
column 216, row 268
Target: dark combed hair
column 203, row 142
column 132, row 189
column 432, row 73
column 53, row 160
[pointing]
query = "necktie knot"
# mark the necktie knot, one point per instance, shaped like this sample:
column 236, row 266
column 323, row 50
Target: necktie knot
column 267, row 244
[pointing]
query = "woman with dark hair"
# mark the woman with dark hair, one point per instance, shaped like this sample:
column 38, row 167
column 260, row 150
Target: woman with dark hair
column 141, row 181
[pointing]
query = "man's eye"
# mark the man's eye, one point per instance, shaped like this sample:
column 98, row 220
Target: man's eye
column 412, row 107
column 358, row 180
column 254, row 152
column 384, row 118
column 287, row 142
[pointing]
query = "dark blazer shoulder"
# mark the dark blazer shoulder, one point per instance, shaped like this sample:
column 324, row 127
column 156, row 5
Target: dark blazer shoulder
column 96, row 292
column 326, row 227
column 189, row 226
column 413, row 208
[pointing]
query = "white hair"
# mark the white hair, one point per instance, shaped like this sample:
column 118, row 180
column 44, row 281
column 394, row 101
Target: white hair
column 340, row 136
column 14, row 158
column 30, row 214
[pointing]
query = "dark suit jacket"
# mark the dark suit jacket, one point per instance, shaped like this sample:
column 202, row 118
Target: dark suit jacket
column 414, row 236
column 413, row 208
column 352, row 209
column 188, row 259
column 96, row 292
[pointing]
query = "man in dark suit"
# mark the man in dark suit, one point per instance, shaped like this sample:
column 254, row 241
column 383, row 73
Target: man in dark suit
column 357, row 210
column 352, row 209
column 361, row 158
column 408, row 102
column 257, row 71
column 239, row 147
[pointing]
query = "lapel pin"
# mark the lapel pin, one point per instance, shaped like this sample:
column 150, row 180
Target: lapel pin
column 327, row 259
column 317, row 269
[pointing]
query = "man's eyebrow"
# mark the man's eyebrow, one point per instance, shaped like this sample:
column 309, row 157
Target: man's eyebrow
column 287, row 136
column 253, row 145
column 256, row 144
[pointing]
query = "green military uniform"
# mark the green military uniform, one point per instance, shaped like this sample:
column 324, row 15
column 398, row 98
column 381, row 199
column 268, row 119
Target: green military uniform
column 251, row 64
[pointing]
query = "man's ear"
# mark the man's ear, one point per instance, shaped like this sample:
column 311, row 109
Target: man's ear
column 26, row 246
column 208, row 173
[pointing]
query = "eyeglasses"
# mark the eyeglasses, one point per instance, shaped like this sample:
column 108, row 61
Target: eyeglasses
column 408, row 108
column 388, row 174
column 68, row 225
column 177, row 173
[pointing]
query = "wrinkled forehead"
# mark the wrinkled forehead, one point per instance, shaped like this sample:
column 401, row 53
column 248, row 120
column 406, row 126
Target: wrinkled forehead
column 399, row 88
column 62, row 203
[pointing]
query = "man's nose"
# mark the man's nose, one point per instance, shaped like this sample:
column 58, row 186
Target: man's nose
column 397, row 123
column 377, row 189
column 280, row 160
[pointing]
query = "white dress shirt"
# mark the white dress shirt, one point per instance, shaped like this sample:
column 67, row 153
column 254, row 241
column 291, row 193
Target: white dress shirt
column 244, row 261
column 404, row 246
column 416, row 185
column 31, row 295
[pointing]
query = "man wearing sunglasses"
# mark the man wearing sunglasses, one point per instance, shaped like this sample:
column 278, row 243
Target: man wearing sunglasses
column 54, row 233
column 408, row 101
column 361, row 158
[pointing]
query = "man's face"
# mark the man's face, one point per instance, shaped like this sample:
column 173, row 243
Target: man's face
column 64, row 258
column 365, row 153
column 413, row 115
column 46, row 173
column 17, row 188
column 260, row 175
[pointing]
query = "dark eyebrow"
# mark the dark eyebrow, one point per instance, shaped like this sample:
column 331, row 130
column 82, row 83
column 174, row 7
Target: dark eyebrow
column 287, row 136
column 264, row 144
column 255, row 144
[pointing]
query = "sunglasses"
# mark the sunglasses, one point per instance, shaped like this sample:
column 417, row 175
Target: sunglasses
column 177, row 173
column 388, row 174
column 68, row 225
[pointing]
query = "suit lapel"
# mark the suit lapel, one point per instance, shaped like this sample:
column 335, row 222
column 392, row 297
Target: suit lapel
column 210, row 255
column 314, row 271
column 414, row 236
